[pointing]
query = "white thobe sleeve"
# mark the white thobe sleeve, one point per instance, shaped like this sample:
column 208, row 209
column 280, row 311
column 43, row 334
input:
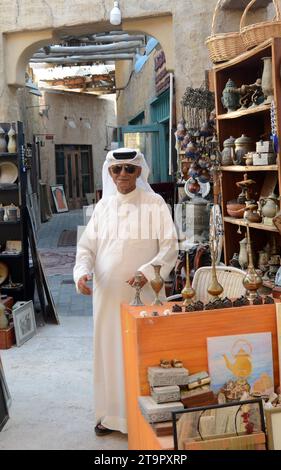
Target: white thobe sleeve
column 167, row 242
column 86, row 250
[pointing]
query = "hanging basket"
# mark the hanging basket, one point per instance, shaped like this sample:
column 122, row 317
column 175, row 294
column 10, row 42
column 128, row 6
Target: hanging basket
column 255, row 34
column 223, row 46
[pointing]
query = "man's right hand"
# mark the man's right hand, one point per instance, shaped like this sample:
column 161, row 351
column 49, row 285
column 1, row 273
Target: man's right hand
column 82, row 285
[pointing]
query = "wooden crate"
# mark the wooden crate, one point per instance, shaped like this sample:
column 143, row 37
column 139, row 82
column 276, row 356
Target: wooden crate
column 256, row 441
column 7, row 337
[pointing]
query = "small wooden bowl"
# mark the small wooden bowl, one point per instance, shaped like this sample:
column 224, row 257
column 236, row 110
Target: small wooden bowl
column 234, row 209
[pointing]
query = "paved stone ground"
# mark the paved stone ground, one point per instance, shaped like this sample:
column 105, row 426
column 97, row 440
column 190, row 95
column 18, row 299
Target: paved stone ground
column 50, row 377
column 67, row 301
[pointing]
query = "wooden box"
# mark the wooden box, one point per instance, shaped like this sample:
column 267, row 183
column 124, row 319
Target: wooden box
column 201, row 399
column 165, row 394
column 155, row 413
column 254, row 441
column 160, row 377
column 7, row 337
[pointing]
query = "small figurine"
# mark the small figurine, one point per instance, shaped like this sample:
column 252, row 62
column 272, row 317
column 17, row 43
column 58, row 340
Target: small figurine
column 155, row 314
column 198, row 306
column 209, row 306
column 165, row 364
column 143, row 314
column 268, row 300
column 176, row 363
column 257, row 300
column 226, row 303
column 166, row 312
column 190, row 308
column 176, row 308
column 241, row 301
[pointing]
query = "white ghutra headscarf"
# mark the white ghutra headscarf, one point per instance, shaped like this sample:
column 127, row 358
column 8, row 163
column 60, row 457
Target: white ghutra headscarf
column 124, row 156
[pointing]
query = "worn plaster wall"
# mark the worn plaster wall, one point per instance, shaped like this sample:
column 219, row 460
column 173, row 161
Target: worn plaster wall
column 191, row 25
column 100, row 112
column 138, row 89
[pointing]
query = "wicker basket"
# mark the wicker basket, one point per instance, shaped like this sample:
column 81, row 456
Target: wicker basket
column 255, row 34
column 223, row 46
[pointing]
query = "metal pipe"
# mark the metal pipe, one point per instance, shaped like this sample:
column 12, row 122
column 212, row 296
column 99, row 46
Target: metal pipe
column 42, row 55
column 100, row 48
column 119, row 38
column 74, row 59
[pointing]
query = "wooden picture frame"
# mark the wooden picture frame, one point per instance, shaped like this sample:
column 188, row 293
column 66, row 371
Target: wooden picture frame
column 4, row 415
column 228, row 425
column 273, row 427
column 24, row 321
column 278, row 324
column 59, row 198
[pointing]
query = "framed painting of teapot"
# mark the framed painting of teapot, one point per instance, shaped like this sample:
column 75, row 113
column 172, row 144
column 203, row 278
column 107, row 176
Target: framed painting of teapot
column 241, row 363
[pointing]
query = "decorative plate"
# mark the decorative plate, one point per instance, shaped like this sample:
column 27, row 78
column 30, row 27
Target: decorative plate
column 204, row 189
column 4, row 272
column 8, row 172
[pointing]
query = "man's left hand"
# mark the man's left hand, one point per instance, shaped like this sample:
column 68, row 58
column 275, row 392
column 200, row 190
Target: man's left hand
column 143, row 280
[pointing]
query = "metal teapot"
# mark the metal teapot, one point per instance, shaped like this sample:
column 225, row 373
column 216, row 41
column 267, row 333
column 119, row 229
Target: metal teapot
column 269, row 205
column 243, row 145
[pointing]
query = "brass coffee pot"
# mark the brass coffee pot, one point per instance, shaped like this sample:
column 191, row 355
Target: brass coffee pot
column 252, row 281
column 215, row 289
column 188, row 292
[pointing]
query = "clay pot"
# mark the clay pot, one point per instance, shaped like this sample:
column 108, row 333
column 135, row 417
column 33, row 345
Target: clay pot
column 193, row 186
column 235, row 209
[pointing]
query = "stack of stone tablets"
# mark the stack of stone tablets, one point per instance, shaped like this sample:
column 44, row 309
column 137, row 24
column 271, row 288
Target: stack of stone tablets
column 165, row 393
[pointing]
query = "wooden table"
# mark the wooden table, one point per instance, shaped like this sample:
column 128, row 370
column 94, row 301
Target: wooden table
column 182, row 336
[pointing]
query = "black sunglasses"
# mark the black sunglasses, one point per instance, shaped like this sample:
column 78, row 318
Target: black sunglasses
column 130, row 169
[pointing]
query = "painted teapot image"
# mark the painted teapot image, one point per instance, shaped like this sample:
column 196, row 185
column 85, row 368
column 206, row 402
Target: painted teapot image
column 242, row 365
column 269, row 205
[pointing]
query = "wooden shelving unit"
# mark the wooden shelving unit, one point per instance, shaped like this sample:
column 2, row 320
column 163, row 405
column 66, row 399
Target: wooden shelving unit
column 18, row 264
column 246, row 169
column 255, row 123
column 263, row 108
column 242, row 223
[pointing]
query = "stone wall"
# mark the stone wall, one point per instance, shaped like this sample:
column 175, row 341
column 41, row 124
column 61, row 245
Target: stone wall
column 191, row 25
column 99, row 111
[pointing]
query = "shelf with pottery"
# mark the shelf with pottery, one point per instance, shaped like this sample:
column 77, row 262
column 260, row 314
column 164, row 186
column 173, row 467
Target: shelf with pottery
column 13, row 191
column 9, row 187
column 250, row 78
column 10, row 222
column 8, row 154
column 243, row 169
column 262, row 108
column 244, row 223
column 10, row 255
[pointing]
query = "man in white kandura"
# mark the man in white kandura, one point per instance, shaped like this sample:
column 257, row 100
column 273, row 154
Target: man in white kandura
column 130, row 230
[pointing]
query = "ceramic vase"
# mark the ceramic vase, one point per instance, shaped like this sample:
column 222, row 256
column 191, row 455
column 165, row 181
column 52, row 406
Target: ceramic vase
column 3, row 143
column 243, row 255
column 12, row 144
column 157, row 283
column 267, row 86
